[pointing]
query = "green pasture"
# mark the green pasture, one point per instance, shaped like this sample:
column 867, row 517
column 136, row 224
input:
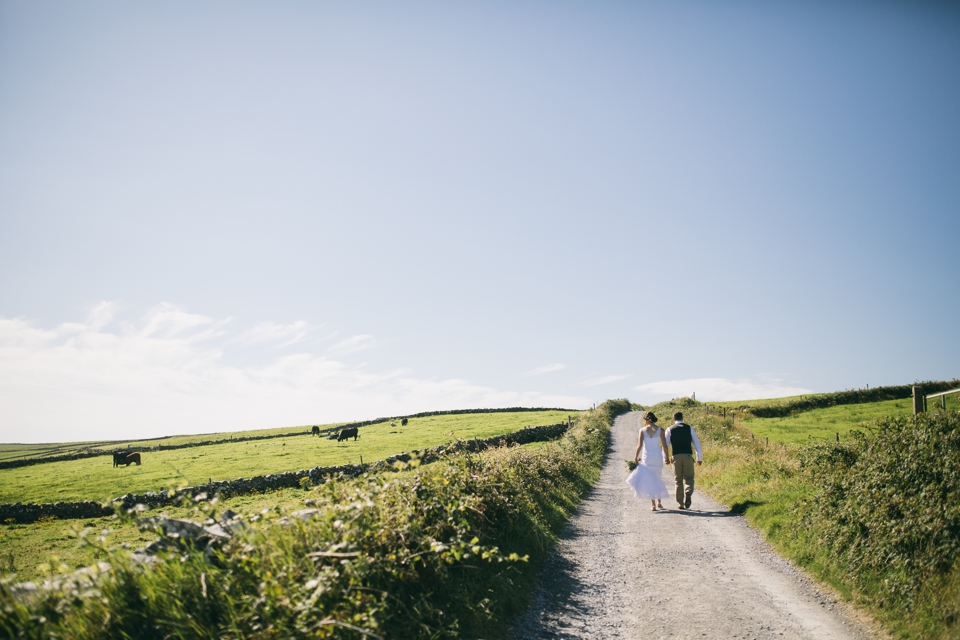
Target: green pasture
column 30, row 550
column 97, row 479
column 823, row 424
column 15, row 451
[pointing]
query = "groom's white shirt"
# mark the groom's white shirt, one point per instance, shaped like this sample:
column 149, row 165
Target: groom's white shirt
column 693, row 436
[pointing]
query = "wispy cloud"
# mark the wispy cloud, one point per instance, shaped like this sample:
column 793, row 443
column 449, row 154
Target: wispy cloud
column 282, row 335
column 596, row 382
column 547, row 368
column 165, row 373
column 719, row 389
column 351, row 344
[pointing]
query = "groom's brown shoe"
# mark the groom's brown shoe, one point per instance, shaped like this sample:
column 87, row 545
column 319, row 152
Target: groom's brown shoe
column 687, row 503
column 680, row 506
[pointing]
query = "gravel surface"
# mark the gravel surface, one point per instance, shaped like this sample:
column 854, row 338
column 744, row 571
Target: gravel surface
column 623, row 571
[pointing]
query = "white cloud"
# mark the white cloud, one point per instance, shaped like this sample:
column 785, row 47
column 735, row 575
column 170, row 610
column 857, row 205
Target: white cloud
column 596, row 382
column 718, row 389
column 351, row 344
column 165, row 374
column 547, row 368
column 282, row 334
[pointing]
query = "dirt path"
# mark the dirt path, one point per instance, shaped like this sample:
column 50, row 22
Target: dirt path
column 622, row 571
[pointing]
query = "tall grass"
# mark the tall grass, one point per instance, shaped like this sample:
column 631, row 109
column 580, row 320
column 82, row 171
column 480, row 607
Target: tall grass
column 445, row 550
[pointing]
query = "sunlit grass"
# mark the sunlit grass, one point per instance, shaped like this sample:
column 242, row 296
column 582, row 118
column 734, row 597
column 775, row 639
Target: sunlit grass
column 824, row 424
column 97, row 479
column 24, row 547
column 446, row 549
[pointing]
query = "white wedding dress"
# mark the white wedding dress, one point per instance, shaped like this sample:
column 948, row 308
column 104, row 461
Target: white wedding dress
column 645, row 479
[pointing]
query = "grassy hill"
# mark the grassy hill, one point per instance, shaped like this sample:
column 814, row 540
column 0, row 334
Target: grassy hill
column 810, row 425
column 97, row 479
column 18, row 451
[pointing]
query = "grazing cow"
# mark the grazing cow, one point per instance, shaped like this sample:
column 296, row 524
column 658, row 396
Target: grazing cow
column 126, row 458
column 315, row 431
column 352, row 432
column 403, row 422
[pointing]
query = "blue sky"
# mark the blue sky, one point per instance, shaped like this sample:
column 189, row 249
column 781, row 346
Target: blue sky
column 217, row 216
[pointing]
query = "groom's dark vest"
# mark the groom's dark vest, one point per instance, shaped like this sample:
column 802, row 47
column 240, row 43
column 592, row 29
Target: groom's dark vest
column 680, row 439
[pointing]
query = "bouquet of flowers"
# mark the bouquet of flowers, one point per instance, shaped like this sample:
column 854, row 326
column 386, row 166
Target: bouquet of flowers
column 631, row 465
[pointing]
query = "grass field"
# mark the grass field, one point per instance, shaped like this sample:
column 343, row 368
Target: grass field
column 16, row 451
column 97, row 479
column 824, row 424
column 32, row 550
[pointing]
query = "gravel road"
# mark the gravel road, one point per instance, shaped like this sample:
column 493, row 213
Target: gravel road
column 623, row 571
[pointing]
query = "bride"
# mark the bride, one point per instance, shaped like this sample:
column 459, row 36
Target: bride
column 645, row 479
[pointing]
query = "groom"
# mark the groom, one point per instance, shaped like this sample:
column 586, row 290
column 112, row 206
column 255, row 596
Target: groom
column 684, row 440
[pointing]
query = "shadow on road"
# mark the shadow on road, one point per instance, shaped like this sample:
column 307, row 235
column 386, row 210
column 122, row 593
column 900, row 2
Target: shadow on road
column 561, row 599
column 695, row 513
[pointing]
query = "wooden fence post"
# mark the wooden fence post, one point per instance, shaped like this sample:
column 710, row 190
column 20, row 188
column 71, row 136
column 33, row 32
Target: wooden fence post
column 917, row 400
column 838, row 437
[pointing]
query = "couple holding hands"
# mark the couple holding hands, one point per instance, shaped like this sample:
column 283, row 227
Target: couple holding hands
column 645, row 479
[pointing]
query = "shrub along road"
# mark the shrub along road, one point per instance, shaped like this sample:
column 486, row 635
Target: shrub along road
column 622, row 571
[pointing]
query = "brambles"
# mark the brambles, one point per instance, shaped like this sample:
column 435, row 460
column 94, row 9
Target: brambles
column 886, row 504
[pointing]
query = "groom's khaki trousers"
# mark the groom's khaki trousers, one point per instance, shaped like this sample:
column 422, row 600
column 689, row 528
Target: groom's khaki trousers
column 683, row 472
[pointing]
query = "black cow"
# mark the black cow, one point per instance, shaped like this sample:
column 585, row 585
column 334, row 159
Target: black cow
column 315, row 431
column 126, row 458
column 403, row 422
column 352, row 432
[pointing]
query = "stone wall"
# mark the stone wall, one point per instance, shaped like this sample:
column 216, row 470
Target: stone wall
column 31, row 512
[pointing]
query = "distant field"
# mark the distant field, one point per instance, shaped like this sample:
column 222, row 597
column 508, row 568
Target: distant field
column 96, row 479
column 820, row 424
column 13, row 451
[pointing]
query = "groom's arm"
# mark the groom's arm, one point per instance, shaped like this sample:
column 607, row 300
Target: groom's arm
column 696, row 445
